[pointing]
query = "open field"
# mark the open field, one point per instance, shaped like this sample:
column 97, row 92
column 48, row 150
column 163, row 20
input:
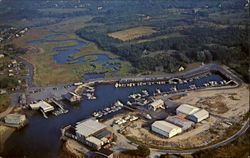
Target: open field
column 132, row 33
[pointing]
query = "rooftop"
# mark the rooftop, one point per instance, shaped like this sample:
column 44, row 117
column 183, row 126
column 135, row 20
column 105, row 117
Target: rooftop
column 178, row 118
column 164, row 125
column 88, row 127
column 187, row 109
column 200, row 113
column 94, row 140
column 15, row 116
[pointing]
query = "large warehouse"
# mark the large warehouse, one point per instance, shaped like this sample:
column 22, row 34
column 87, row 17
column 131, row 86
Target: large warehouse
column 178, row 120
column 198, row 116
column 186, row 109
column 89, row 132
column 165, row 128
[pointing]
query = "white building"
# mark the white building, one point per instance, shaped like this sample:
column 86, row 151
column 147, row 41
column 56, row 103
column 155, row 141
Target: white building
column 45, row 107
column 15, row 119
column 165, row 128
column 198, row 116
column 186, row 109
column 88, row 127
column 157, row 104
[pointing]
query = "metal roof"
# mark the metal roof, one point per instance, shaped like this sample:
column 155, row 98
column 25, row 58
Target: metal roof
column 88, row 127
column 200, row 113
column 165, row 126
column 187, row 109
column 15, row 116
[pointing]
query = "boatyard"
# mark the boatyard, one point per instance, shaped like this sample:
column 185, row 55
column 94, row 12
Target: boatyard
column 140, row 109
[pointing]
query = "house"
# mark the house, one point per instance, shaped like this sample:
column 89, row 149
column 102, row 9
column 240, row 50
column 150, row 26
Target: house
column 165, row 128
column 180, row 121
column 72, row 97
column 186, row 109
column 198, row 116
column 157, row 104
column 15, row 119
column 181, row 68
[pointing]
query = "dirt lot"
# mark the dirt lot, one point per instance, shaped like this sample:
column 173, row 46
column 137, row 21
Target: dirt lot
column 132, row 33
column 232, row 104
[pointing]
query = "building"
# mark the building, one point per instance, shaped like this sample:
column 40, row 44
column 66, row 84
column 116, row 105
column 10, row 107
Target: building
column 44, row 106
column 186, row 109
column 89, row 132
column 180, row 121
column 198, row 116
column 157, row 104
column 72, row 97
column 165, row 128
column 181, row 68
column 15, row 119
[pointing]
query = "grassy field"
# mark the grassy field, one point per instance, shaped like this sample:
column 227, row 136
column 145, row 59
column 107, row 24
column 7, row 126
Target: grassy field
column 44, row 64
column 132, row 33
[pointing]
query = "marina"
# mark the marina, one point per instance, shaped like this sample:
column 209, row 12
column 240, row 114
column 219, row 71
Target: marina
column 104, row 106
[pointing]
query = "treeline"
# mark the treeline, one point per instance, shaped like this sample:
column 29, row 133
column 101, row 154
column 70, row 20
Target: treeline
column 198, row 44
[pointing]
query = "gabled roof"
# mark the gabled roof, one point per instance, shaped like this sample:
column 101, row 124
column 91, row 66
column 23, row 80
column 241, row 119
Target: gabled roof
column 187, row 109
column 200, row 113
column 164, row 125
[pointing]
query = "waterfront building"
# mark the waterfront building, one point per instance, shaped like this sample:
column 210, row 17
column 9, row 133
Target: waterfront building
column 89, row 132
column 72, row 97
column 44, row 106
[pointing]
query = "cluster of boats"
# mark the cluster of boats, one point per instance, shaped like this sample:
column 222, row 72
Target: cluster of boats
column 90, row 93
column 59, row 112
column 116, row 107
column 118, row 85
column 125, row 119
